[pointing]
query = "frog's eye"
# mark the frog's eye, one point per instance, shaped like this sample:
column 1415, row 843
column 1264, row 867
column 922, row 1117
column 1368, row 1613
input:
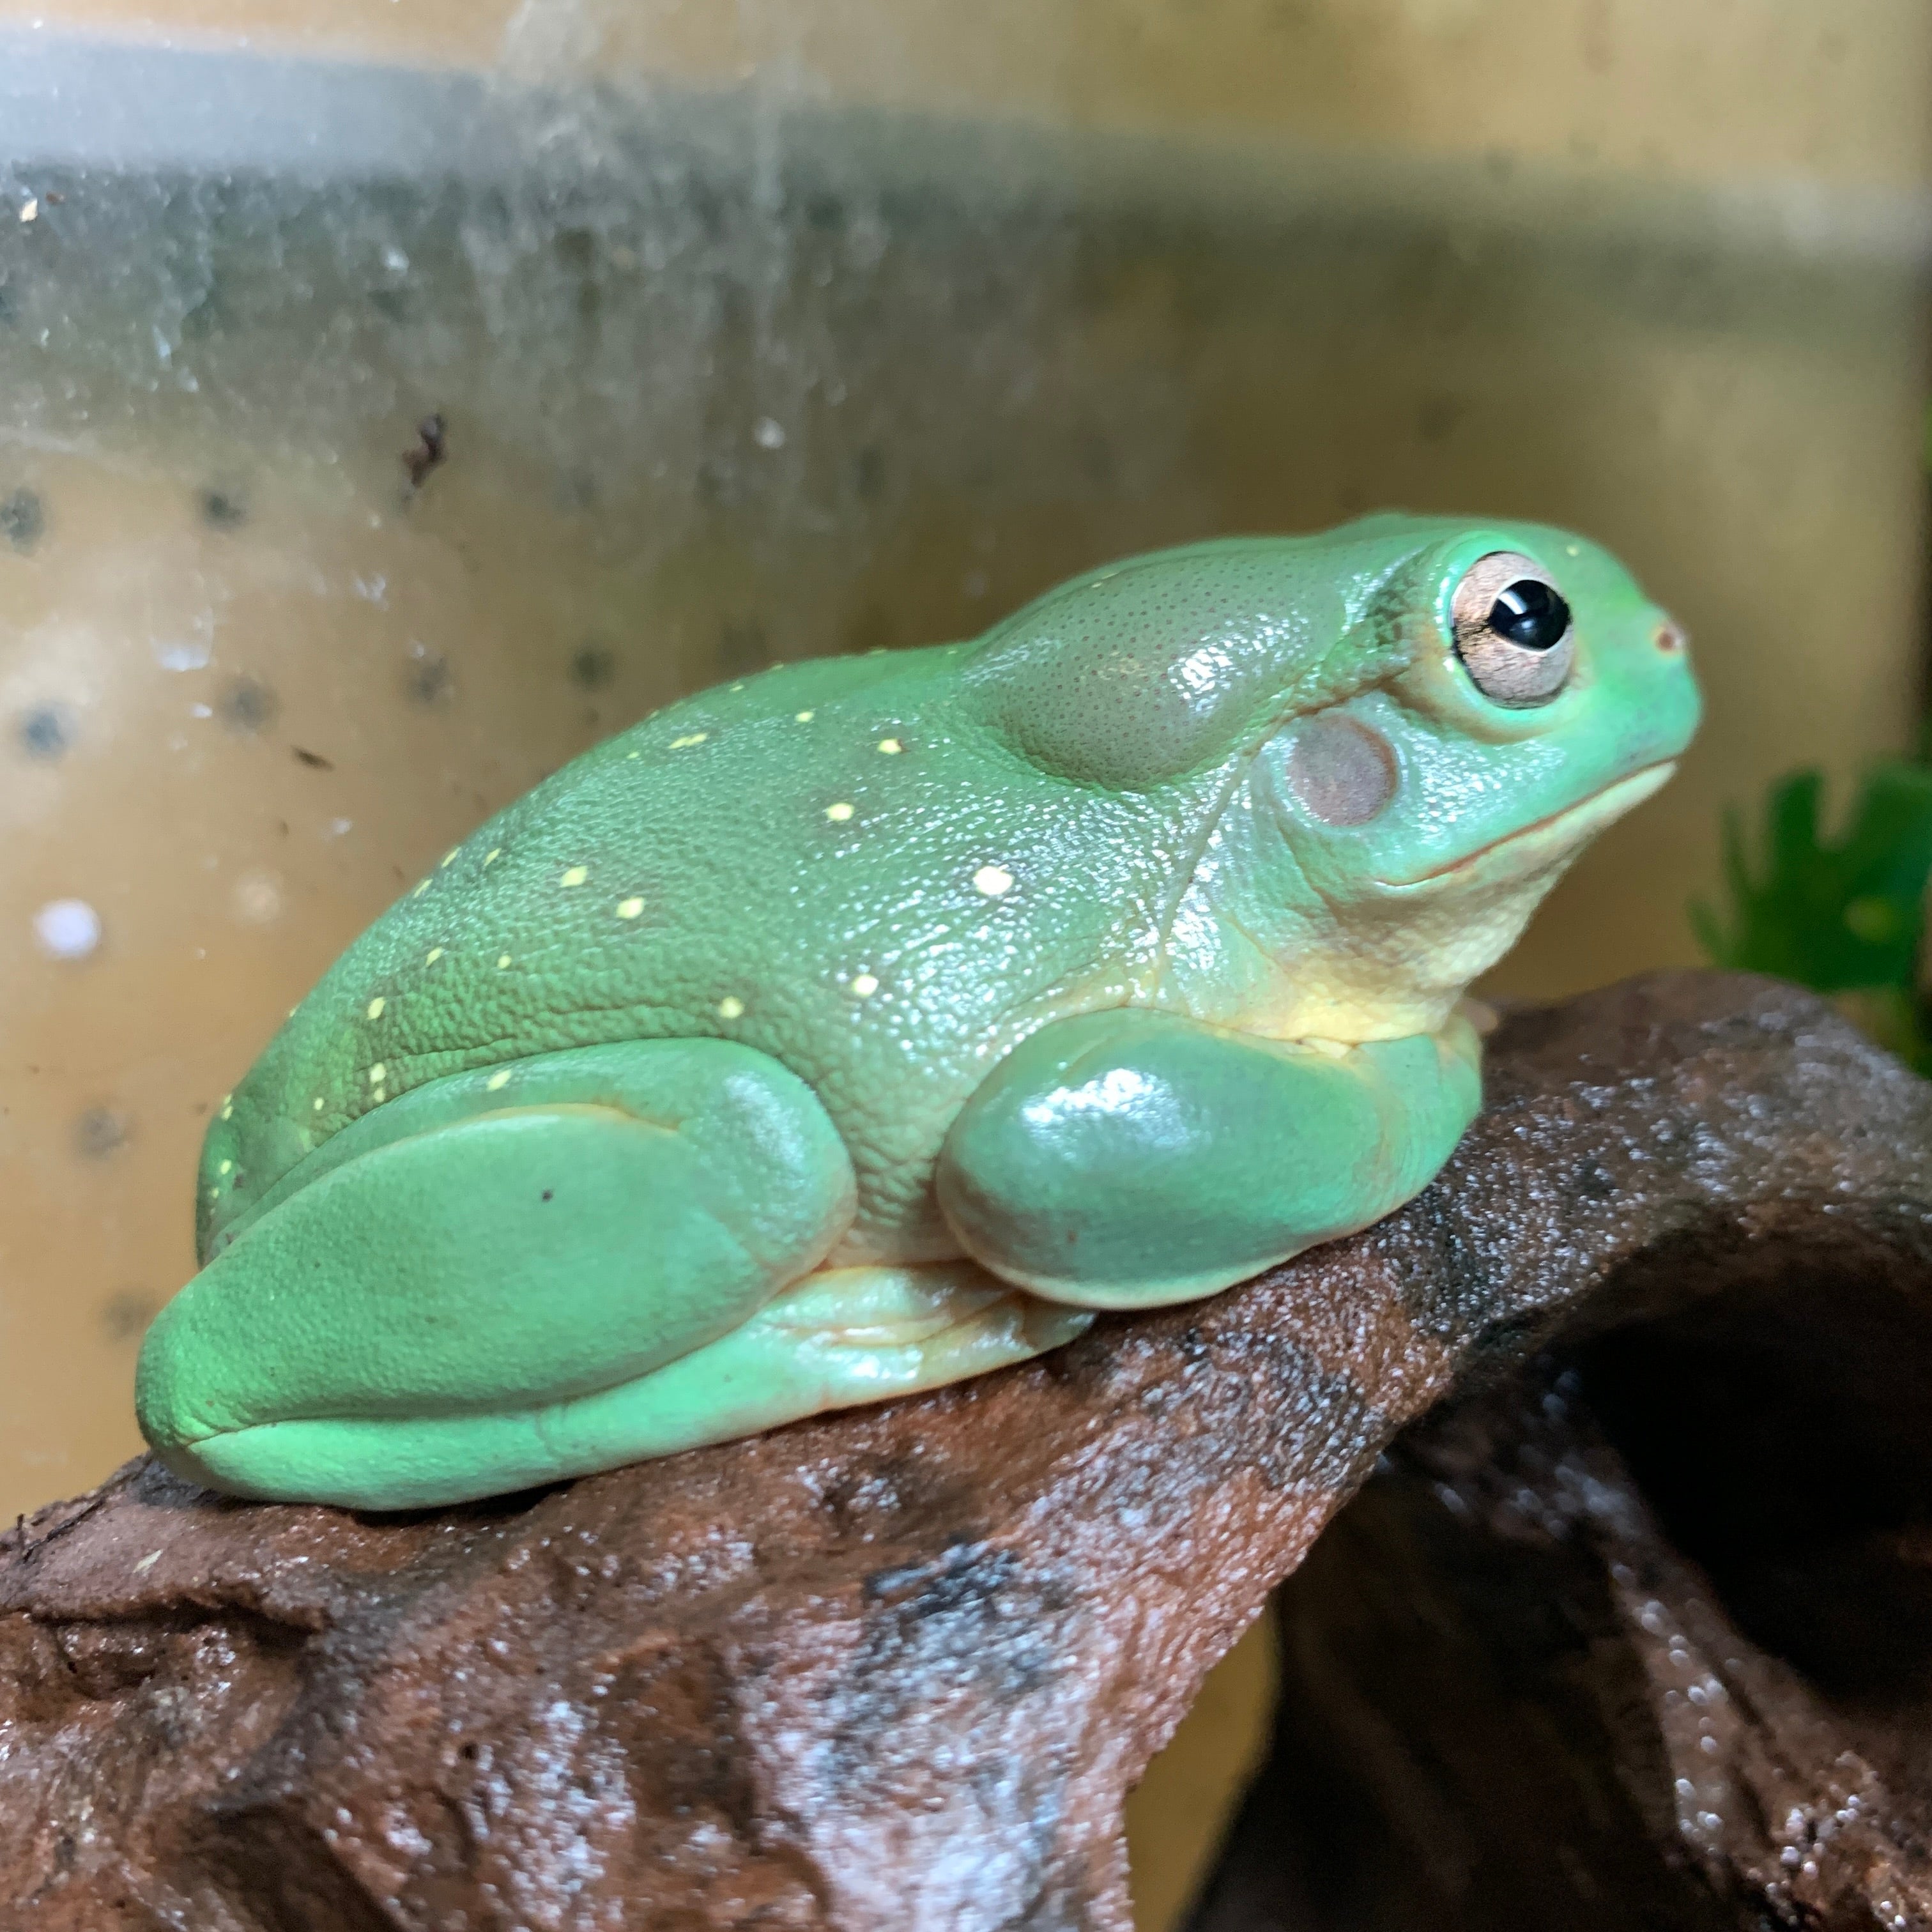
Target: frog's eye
column 1512, row 630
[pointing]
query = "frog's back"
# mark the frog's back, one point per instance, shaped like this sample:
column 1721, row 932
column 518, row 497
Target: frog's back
column 824, row 861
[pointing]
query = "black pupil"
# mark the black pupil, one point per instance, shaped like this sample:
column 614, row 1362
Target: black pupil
column 1531, row 614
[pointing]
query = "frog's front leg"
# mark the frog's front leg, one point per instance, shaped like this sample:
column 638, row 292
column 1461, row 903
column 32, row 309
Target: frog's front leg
column 1127, row 1158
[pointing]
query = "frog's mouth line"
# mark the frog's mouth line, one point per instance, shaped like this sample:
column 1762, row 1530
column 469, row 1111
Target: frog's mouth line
column 1561, row 832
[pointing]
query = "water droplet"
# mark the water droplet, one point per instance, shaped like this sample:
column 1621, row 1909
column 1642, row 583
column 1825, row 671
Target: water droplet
column 67, row 929
column 257, row 897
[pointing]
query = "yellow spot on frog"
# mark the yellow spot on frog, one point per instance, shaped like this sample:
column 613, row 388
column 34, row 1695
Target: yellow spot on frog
column 865, row 985
column 629, row 755
column 422, row 888
column 491, row 857
column 992, row 881
column 891, row 747
column 432, row 955
column 503, row 960
column 803, row 717
column 689, row 738
column 839, row 813
column 378, row 1074
column 375, row 1007
column 730, row 1007
column 228, row 1106
column 318, row 1103
column 575, row 876
column 449, row 855
column 497, row 1082
column 225, row 1166
column 629, row 908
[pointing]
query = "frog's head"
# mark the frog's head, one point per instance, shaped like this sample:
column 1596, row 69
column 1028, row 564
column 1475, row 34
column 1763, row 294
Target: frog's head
column 1520, row 692
column 1407, row 727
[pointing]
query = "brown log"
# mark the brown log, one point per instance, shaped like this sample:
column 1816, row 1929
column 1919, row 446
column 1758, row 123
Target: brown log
column 897, row 1668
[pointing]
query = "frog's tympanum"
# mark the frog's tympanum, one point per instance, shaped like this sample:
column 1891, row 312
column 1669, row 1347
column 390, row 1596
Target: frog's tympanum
column 870, row 1023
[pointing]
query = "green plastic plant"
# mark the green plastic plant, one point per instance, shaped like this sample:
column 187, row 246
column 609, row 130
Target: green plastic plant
column 1844, row 915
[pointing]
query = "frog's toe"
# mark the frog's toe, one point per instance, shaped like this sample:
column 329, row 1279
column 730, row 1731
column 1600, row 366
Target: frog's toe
column 391, row 1330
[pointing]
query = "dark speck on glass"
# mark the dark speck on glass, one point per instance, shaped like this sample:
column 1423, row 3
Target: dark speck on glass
column 247, row 705
column 593, row 666
column 428, row 678
column 429, row 451
column 125, row 1316
column 23, row 518
column 223, row 510
column 46, row 731
column 99, row 1133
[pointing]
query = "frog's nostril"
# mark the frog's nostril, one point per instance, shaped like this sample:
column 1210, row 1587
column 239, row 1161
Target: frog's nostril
column 1670, row 638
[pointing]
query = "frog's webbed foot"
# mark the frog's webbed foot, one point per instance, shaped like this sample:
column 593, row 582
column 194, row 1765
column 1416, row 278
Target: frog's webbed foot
column 415, row 1315
column 1127, row 1158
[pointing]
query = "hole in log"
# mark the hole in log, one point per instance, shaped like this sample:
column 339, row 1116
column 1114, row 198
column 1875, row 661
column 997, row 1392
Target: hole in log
column 1782, row 1437
column 1639, row 1636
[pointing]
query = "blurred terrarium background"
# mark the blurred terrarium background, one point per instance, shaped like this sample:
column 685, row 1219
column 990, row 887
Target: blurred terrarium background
column 1842, row 909
column 396, row 396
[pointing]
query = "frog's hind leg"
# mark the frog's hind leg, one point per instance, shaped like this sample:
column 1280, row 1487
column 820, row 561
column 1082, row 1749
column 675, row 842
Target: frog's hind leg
column 839, row 1339
column 447, row 1298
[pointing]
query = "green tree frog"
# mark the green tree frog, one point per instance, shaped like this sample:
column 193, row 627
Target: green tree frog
column 870, row 1023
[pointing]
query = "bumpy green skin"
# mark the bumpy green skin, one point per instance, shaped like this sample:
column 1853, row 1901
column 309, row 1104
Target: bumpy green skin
column 868, row 1023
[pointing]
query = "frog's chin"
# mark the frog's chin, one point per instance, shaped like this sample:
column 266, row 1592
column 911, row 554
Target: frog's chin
column 1537, row 847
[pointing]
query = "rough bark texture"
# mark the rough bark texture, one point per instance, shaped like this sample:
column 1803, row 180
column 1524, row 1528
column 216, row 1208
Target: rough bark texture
column 1511, row 1699
column 897, row 1668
